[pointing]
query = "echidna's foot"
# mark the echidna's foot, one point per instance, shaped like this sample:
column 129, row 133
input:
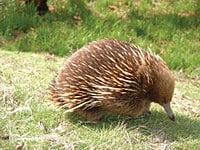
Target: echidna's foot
column 146, row 111
column 92, row 115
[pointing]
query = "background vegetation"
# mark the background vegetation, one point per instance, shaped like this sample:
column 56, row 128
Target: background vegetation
column 32, row 49
column 168, row 28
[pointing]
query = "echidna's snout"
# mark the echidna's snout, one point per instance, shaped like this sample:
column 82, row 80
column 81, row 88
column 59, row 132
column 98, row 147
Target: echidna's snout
column 169, row 111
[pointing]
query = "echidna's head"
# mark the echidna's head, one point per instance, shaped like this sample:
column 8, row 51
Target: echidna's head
column 163, row 90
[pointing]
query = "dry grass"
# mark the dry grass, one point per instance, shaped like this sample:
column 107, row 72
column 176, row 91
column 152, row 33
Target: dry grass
column 29, row 121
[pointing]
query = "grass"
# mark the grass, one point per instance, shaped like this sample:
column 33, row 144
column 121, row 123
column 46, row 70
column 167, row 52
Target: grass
column 29, row 121
column 27, row 42
column 170, row 29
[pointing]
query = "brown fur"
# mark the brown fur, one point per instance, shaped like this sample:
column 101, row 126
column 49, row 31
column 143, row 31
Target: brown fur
column 112, row 75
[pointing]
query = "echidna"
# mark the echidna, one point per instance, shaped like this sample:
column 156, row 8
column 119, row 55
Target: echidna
column 112, row 75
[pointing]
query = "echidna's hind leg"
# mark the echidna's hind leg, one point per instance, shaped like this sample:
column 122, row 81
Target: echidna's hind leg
column 93, row 114
column 147, row 111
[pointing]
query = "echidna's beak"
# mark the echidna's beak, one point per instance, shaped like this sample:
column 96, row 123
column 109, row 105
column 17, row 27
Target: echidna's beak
column 169, row 111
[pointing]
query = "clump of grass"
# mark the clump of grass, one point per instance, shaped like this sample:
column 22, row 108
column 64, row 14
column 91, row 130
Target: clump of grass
column 16, row 16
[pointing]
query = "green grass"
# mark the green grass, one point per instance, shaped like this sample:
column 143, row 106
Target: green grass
column 170, row 29
column 30, row 121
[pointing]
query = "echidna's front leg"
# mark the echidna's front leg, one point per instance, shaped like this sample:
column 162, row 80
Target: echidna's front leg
column 93, row 115
column 147, row 111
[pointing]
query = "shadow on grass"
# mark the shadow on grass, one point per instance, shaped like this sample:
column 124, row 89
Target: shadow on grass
column 184, row 127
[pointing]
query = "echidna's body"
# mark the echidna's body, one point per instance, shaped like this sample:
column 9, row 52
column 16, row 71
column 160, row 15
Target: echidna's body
column 113, row 75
